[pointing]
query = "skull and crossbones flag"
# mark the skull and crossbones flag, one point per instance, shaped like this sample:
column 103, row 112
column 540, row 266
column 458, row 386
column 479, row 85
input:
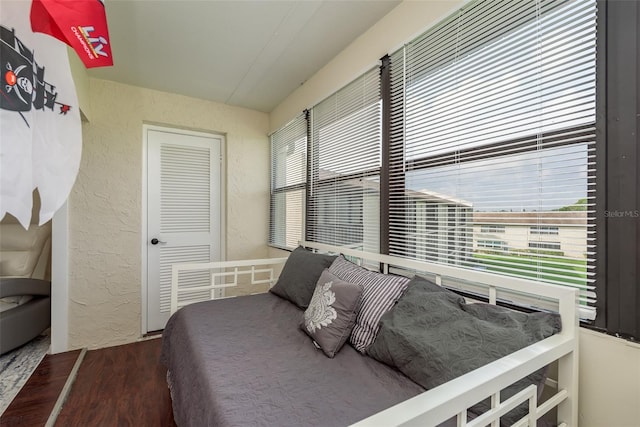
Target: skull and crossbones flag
column 40, row 128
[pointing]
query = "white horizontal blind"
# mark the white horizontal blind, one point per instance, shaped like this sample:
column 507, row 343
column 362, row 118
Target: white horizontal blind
column 493, row 142
column 344, row 202
column 288, row 180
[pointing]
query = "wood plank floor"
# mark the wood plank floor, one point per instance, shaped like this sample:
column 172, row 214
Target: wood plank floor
column 33, row 404
column 120, row 386
column 116, row 386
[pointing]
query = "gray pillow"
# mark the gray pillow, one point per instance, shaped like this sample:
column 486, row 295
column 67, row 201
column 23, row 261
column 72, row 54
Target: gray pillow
column 332, row 312
column 381, row 291
column 300, row 274
column 433, row 336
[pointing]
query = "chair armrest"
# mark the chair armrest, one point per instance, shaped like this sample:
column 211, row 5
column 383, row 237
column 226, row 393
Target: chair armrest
column 10, row 287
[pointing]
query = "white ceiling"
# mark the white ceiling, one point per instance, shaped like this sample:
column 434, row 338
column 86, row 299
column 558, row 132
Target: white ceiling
column 247, row 53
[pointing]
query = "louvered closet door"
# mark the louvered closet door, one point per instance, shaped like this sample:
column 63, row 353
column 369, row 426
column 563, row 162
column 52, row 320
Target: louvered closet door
column 183, row 213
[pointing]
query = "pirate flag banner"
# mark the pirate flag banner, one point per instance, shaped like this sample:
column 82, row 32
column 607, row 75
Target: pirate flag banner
column 82, row 24
column 40, row 130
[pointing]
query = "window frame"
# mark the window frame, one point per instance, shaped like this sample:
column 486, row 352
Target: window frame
column 399, row 166
column 343, row 107
column 276, row 191
column 617, row 178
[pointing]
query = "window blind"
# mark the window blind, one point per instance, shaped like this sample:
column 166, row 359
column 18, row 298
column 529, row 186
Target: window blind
column 344, row 192
column 492, row 142
column 288, row 180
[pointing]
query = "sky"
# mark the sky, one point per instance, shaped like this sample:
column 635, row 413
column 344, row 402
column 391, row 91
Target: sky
column 536, row 79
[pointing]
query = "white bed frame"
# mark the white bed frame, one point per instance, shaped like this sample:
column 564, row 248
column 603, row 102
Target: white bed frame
column 454, row 397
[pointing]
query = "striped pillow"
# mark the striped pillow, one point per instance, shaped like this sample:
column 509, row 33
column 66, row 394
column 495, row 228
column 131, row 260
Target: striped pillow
column 381, row 292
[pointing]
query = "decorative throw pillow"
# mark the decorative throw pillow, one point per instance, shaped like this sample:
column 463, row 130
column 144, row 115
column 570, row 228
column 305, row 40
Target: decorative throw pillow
column 380, row 293
column 433, row 336
column 300, row 275
column 332, row 312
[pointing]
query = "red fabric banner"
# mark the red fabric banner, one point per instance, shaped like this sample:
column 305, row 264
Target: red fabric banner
column 82, row 24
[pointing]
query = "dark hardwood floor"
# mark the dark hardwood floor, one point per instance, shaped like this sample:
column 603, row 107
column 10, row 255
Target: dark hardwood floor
column 120, row 386
column 116, row 386
column 33, row 404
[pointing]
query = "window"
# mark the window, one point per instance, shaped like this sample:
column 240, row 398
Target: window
column 492, row 244
column 490, row 158
column 288, row 180
column 553, row 246
column 344, row 191
column 492, row 117
column 544, row 229
column 492, row 228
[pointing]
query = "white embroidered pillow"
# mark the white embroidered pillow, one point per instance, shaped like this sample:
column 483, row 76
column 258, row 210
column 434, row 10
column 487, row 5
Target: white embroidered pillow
column 332, row 312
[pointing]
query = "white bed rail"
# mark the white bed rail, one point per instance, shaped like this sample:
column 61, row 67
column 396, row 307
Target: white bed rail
column 255, row 269
column 454, row 397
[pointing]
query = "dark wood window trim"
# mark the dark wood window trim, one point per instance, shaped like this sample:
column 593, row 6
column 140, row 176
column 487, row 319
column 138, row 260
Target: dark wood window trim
column 385, row 95
column 619, row 215
column 312, row 166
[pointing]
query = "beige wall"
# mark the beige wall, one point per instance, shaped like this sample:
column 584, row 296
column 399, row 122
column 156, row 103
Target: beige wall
column 609, row 393
column 105, row 207
column 81, row 80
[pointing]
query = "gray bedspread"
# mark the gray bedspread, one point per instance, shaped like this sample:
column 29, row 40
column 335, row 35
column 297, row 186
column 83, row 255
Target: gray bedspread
column 246, row 362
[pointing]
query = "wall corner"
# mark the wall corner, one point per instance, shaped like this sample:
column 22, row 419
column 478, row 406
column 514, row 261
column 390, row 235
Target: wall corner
column 81, row 80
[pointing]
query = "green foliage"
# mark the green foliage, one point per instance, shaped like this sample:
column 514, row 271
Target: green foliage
column 580, row 205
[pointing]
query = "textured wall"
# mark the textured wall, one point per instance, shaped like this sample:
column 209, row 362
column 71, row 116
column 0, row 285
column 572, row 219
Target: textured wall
column 609, row 381
column 105, row 207
column 81, row 80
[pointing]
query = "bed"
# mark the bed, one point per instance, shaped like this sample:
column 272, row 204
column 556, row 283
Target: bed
column 246, row 360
